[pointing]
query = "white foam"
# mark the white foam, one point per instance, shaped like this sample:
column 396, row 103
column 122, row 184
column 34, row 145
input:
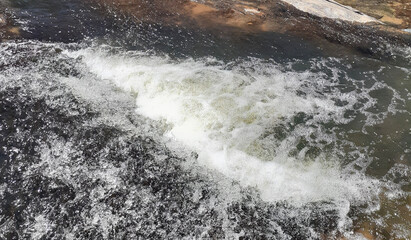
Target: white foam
column 41, row 226
column 222, row 114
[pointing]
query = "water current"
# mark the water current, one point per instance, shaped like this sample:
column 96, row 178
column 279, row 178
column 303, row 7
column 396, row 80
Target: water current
column 112, row 129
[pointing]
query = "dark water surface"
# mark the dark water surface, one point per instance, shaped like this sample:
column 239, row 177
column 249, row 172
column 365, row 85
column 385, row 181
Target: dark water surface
column 111, row 129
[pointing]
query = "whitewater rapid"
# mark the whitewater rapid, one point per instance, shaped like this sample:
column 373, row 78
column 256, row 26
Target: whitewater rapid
column 228, row 115
column 144, row 142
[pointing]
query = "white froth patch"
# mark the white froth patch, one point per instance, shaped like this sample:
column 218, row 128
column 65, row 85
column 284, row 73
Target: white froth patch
column 40, row 228
column 222, row 113
column 56, row 163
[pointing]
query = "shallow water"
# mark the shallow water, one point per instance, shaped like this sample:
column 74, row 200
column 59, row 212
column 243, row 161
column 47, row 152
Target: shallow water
column 111, row 129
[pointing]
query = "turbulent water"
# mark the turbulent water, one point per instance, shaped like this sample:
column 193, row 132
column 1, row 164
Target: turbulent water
column 118, row 130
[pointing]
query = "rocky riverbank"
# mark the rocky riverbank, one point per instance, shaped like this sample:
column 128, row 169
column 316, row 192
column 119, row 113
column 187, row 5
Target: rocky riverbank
column 316, row 20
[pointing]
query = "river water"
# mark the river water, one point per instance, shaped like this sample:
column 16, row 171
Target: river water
column 112, row 129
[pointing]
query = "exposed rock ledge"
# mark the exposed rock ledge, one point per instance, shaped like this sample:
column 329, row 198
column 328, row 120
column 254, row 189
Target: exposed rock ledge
column 331, row 9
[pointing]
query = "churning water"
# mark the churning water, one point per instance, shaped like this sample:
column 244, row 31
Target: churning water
column 143, row 131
